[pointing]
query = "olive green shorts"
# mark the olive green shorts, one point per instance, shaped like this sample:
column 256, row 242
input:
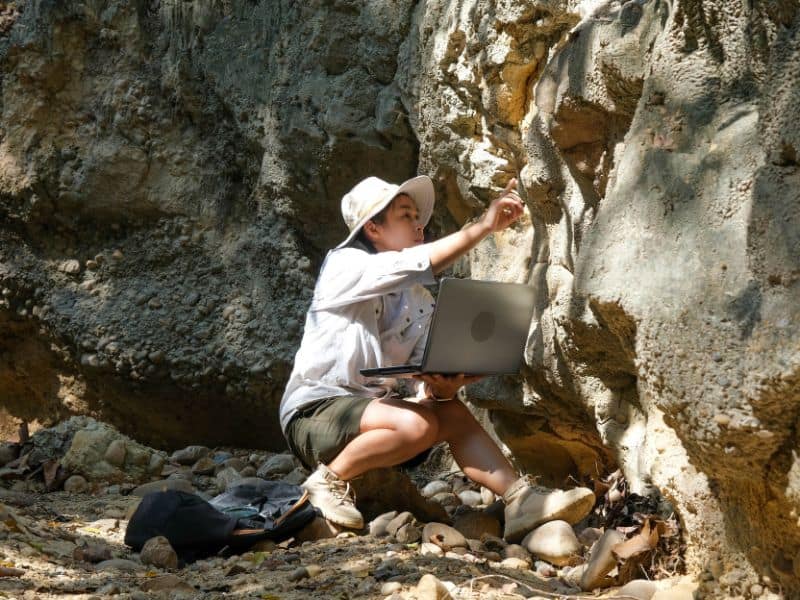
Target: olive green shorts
column 321, row 430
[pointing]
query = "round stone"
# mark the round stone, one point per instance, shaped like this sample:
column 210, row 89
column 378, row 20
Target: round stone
column 435, row 487
column 554, row 542
column 444, row 536
column 469, row 497
column 158, row 552
column 75, row 484
column 115, row 453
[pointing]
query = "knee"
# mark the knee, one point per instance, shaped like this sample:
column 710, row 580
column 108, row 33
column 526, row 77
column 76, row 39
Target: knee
column 418, row 428
column 456, row 420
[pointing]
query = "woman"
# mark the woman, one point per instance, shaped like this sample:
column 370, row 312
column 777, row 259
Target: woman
column 370, row 309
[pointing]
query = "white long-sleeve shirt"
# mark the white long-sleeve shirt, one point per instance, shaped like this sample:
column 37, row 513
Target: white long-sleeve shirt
column 369, row 310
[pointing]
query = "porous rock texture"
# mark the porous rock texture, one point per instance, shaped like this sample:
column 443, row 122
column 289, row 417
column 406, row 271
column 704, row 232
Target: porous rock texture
column 170, row 175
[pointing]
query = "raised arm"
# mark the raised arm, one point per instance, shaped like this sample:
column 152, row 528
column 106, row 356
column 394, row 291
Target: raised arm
column 504, row 210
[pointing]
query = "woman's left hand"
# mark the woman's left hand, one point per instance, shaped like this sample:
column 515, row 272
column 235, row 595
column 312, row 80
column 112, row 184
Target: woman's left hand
column 444, row 387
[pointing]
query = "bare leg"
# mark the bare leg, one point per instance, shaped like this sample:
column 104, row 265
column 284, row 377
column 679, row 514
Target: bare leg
column 475, row 452
column 392, row 432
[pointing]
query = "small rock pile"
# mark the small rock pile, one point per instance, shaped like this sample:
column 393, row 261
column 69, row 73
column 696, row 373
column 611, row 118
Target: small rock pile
column 449, row 546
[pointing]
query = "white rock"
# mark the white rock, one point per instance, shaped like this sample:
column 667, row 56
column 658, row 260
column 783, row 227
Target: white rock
column 430, row 549
column 554, row 542
column 436, row 486
column 469, row 497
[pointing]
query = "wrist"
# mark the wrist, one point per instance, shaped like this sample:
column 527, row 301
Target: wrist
column 483, row 227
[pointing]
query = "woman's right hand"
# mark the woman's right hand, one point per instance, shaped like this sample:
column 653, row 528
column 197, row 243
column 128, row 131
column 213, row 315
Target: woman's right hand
column 505, row 209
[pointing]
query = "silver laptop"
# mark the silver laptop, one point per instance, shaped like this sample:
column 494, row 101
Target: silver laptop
column 478, row 328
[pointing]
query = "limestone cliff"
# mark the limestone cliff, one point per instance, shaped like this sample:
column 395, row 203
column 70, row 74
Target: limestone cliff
column 170, row 175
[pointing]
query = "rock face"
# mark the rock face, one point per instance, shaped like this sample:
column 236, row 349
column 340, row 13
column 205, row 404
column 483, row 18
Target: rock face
column 170, row 175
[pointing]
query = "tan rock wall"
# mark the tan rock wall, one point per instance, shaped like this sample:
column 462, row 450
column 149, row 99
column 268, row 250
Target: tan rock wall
column 170, row 175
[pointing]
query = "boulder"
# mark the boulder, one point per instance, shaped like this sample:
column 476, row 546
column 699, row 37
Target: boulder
column 93, row 444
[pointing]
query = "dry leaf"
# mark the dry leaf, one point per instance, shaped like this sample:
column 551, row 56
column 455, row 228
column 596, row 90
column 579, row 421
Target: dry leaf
column 644, row 541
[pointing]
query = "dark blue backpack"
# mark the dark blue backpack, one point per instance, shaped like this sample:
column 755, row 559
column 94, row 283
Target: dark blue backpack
column 228, row 524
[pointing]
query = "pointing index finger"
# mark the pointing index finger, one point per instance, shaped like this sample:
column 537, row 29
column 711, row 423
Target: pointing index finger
column 511, row 185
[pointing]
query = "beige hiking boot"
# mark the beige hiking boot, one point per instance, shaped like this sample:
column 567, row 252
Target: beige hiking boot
column 333, row 498
column 529, row 505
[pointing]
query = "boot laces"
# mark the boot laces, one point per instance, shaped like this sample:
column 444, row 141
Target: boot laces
column 531, row 482
column 342, row 491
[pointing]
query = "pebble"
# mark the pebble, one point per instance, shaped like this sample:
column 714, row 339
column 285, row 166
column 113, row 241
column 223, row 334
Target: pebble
column 357, row 568
column 298, row 574
column 75, row 484
column 228, row 477
column 158, row 552
column 444, row 536
column 515, row 563
column 390, row 587
column 430, row 588
column 70, row 267
column 279, row 464
column 399, row 521
column 115, row 453
column 469, row 497
column 378, row 525
column 119, row 564
column 91, row 552
column 172, row 583
column 235, row 463
column 544, row 569
column 447, row 499
column 189, row 455
column 220, row 457
column 430, row 549
column 436, row 486
column 204, row 466
column 408, row 534
column 555, row 542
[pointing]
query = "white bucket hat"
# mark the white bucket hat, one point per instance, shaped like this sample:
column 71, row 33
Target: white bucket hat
column 372, row 195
